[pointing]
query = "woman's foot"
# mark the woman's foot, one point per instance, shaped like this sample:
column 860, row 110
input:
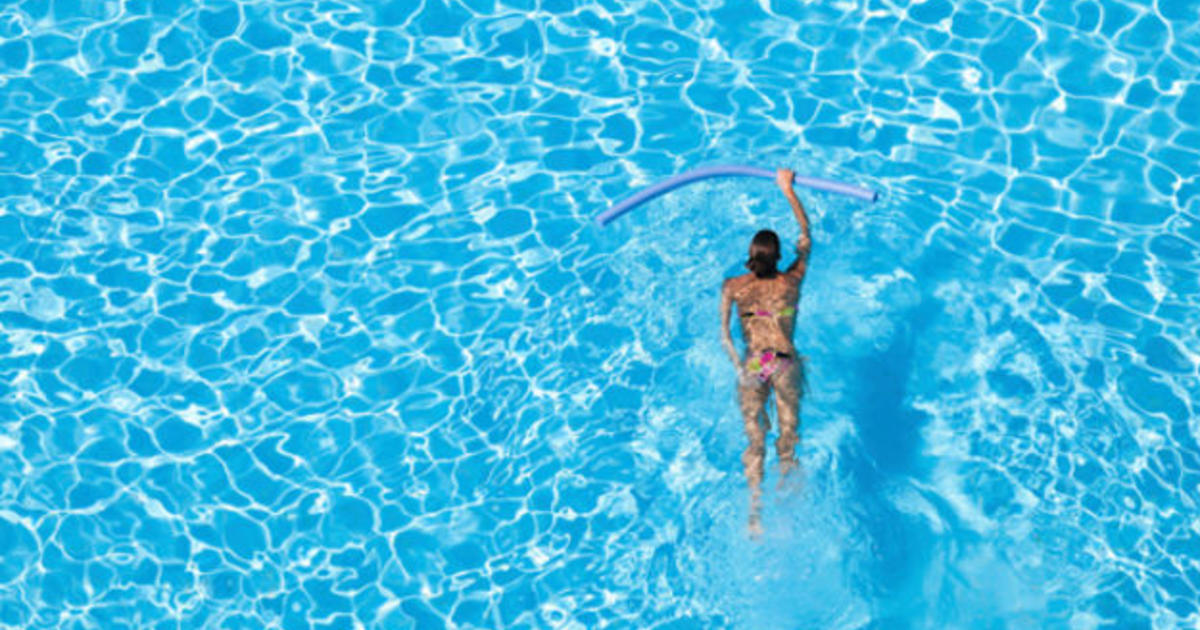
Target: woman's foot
column 791, row 478
column 786, row 466
column 755, row 527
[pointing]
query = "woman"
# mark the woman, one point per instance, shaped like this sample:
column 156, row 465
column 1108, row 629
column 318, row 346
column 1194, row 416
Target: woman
column 766, row 299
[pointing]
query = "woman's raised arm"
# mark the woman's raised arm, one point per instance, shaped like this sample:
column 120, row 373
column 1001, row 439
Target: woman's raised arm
column 804, row 244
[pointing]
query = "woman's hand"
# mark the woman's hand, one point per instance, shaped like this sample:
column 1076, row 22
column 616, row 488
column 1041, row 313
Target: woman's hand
column 745, row 375
column 784, row 177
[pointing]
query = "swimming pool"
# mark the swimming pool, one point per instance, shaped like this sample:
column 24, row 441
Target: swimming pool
column 304, row 321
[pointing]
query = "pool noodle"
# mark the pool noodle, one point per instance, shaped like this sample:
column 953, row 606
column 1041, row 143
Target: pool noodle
column 667, row 185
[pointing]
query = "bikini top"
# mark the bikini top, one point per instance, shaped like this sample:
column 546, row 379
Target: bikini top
column 783, row 312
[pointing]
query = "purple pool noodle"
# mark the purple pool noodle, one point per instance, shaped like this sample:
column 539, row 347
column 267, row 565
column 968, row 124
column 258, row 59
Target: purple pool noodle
column 629, row 203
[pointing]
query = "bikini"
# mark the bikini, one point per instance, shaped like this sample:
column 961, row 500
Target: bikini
column 769, row 361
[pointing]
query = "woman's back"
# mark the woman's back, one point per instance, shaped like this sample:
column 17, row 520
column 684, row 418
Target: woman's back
column 767, row 310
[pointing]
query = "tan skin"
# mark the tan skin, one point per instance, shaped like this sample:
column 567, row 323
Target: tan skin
column 750, row 294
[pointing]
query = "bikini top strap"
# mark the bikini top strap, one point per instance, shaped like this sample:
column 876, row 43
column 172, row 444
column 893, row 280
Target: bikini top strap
column 783, row 312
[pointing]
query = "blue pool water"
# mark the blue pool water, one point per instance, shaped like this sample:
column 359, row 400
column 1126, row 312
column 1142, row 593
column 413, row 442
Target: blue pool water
column 304, row 321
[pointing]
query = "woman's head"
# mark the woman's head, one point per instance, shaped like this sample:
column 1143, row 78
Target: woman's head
column 764, row 254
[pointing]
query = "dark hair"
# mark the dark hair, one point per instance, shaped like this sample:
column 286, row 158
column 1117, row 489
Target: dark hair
column 764, row 253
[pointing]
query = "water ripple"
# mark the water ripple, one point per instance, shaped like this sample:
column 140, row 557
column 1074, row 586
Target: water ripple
column 304, row 323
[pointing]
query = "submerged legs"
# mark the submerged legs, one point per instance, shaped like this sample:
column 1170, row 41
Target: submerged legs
column 789, row 385
column 752, row 397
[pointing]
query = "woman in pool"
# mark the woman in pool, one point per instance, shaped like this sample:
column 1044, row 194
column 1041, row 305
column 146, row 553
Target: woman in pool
column 766, row 299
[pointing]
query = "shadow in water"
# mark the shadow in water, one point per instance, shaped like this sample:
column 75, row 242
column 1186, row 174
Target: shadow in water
column 886, row 453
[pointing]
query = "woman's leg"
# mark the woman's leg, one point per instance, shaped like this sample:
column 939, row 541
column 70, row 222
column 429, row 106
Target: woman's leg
column 752, row 397
column 788, row 391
